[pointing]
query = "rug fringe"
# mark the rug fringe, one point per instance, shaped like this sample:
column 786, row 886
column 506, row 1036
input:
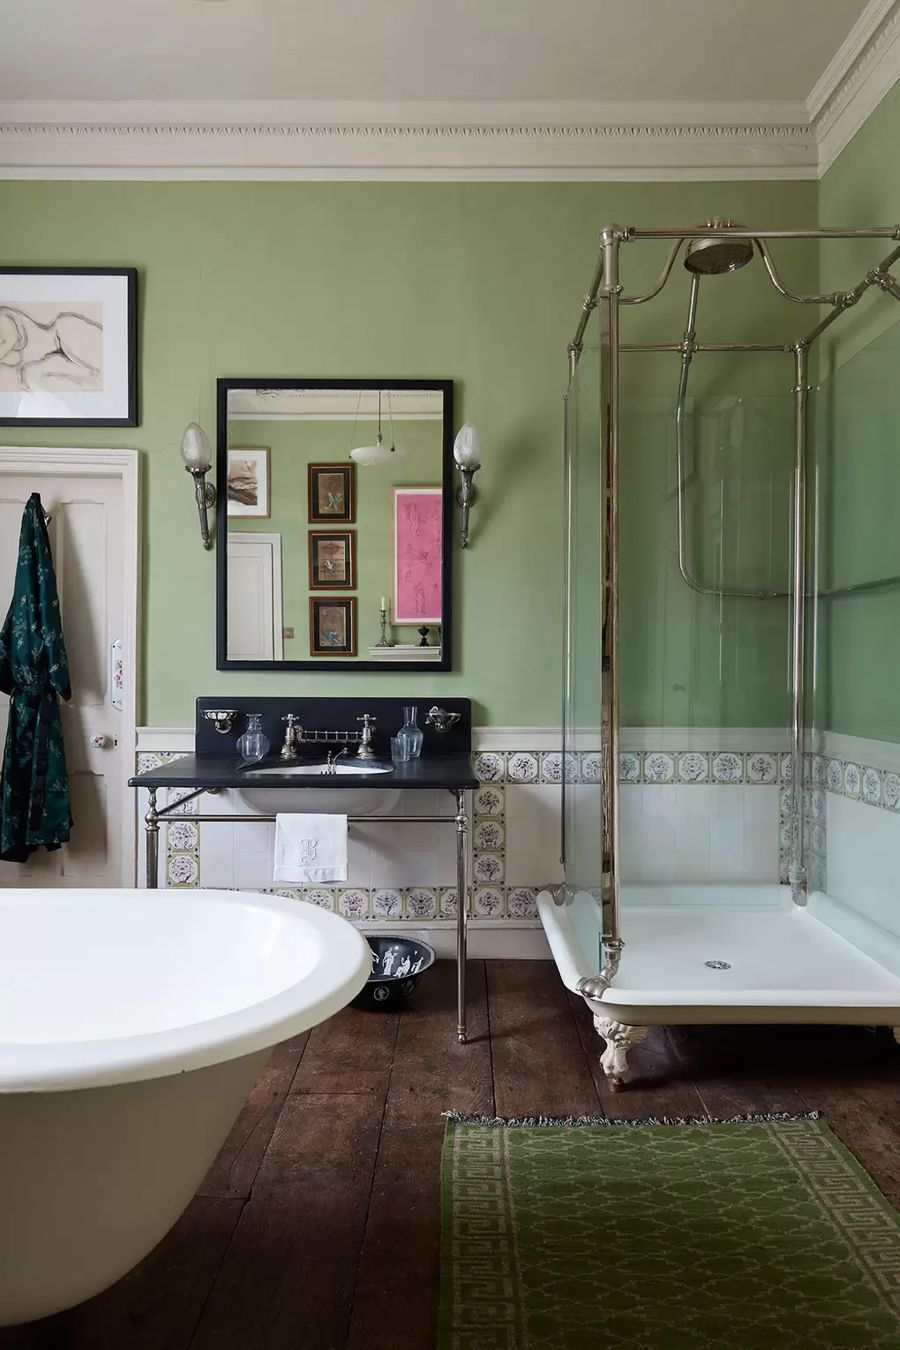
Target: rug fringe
column 746, row 1118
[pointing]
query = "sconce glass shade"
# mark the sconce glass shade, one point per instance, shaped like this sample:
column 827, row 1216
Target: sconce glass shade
column 370, row 456
column 467, row 448
column 196, row 450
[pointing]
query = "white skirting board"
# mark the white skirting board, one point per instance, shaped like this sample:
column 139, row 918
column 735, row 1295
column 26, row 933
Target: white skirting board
column 504, row 940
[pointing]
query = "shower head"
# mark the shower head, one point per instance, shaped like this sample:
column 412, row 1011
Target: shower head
column 711, row 255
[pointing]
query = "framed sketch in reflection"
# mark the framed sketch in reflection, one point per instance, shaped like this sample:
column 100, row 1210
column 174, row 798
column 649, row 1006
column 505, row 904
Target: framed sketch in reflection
column 418, row 555
column 332, row 560
column 68, row 346
column 248, row 481
column 332, row 626
column 332, row 494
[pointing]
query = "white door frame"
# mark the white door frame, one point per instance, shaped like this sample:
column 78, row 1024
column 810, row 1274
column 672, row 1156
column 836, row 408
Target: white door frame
column 263, row 537
column 125, row 465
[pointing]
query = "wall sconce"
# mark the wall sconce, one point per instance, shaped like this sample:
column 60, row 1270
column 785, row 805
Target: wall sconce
column 467, row 453
column 196, row 452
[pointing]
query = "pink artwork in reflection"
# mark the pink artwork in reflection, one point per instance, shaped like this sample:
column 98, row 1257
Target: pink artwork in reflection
column 417, row 555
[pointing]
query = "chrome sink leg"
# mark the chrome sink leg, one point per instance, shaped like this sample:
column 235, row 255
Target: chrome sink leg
column 151, row 824
column 462, row 911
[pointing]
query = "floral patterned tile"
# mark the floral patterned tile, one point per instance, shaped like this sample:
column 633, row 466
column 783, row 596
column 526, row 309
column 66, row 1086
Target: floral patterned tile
column 353, row 903
column 692, row 767
column 488, row 834
column 448, row 902
column 319, row 895
column 819, row 767
column 890, row 791
column 871, row 786
column 489, row 767
column 521, row 903
column 834, row 776
column 172, row 797
column 659, row 767
column 851, row 780
column 182, row 836
column 761, row 768
column 490, row 800
column 785, row 767
column 727, row 767
column 488, row 902
column 147, row 761
column 421, row 903
column 489, row 869
column 522, row 767
column 182, row 869
column 387, row 904
column 629, row 767
column 554, row 764
column 591, row 766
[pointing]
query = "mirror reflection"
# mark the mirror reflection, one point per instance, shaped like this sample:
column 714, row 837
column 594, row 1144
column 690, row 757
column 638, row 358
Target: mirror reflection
column 335, row 505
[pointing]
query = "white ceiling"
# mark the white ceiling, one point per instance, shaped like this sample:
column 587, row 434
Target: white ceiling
column 627, row 51
column 453, row 89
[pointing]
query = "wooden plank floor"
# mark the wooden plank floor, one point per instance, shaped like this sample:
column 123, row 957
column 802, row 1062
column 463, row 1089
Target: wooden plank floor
column 318, row 1227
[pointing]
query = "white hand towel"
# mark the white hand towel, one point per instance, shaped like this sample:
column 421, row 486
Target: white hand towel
column 310, row 849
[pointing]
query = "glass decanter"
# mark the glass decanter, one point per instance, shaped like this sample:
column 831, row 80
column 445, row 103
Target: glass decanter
column 254, row 744
column 409, row 734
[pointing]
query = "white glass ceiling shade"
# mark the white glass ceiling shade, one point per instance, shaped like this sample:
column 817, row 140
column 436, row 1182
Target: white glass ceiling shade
column 467, row 448
column 196, row 450
column 379, row 453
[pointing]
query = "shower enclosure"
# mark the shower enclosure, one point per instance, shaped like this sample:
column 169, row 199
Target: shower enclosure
column 710, row 602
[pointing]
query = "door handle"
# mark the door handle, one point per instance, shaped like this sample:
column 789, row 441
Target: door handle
column 99, row 741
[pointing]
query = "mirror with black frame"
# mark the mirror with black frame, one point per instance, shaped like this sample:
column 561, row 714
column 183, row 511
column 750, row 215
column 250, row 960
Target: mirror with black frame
column 333, row 524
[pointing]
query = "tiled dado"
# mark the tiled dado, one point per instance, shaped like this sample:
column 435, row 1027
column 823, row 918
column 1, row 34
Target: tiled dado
column 493, row 893
column 860, row 782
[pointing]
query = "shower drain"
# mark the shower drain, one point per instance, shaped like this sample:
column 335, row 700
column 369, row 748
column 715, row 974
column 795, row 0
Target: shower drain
column 718, row 965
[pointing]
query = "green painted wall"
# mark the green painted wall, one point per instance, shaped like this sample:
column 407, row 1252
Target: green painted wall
column 477, row 282
column 293, row 446
column 856, row 448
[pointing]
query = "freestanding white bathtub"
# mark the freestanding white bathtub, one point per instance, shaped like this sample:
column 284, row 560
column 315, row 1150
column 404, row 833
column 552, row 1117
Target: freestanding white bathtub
column 133, row 1025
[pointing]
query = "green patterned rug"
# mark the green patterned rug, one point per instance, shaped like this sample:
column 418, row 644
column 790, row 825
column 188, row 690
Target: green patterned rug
column 728, row 1236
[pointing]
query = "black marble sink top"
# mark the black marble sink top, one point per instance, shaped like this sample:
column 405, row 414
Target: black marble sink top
column 224, row 771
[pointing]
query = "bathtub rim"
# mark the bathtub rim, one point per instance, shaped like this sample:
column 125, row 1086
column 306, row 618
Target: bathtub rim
column 343, row 964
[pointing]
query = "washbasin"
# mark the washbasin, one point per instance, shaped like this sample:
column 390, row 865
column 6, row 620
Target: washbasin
column 313, row 770
column 349, row 801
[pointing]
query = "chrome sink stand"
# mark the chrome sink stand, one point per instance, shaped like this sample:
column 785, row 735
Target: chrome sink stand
column 460, row 820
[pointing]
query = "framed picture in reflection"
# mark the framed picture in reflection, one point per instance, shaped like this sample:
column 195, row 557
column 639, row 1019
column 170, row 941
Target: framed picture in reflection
column 332, row 494
column 332, row 560
column 332, row 625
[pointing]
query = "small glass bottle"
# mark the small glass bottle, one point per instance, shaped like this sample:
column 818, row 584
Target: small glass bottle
column 253, row 744
column 409, row 734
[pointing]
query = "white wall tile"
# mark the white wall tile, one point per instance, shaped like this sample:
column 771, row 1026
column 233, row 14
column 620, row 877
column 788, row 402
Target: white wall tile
column 532, row 834
column 863, row 859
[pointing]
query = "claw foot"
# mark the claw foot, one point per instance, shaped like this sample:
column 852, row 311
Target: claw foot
column 619, row 1040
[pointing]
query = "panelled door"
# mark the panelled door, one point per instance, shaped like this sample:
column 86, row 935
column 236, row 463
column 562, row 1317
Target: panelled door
column 93, row 540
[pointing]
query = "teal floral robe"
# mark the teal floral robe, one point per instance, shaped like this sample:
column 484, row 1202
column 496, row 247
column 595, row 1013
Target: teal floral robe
column 34, row 671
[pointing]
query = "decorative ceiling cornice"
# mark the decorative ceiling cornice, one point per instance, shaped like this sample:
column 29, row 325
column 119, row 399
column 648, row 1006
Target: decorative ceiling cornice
column 863, row 70
column 557, row 146
column 463, row 141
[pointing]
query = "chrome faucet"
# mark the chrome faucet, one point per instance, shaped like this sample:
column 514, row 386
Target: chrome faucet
column 365, row 750
column 332, row 758
column 293, row 735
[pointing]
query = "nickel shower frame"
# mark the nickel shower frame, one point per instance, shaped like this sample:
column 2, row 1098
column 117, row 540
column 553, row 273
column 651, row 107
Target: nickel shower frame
column 606, row 291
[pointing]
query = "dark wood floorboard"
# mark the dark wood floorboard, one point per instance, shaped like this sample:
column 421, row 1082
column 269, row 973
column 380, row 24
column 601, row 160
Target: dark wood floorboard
column 432, row 1073
column 540, row 1066
column 318, row 1227
column 234, row 1171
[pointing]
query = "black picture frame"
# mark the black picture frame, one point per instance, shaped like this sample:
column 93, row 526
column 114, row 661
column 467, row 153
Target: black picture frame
column 446, row 389
column 347, row 650
column 330, row 469
column 131, row 419
column 319, row 582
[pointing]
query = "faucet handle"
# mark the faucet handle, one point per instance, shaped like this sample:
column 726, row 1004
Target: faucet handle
column 290, row 718
column 367, row 720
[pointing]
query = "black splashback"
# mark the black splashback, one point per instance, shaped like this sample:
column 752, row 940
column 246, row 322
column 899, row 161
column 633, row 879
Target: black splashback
column 335, row 714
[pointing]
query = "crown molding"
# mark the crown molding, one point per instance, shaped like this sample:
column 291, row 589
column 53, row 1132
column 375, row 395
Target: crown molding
column 462, row 141
column 426, row 142
column 864, row 69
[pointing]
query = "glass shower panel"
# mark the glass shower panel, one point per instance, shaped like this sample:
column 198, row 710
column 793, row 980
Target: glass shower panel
column 851, row 840
column 582, row 674
column 704, row 675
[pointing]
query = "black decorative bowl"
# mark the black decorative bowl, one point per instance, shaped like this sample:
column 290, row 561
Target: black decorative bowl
column 398, row 963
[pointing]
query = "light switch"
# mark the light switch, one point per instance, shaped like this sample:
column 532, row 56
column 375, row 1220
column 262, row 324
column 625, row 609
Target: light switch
column 287, row 632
